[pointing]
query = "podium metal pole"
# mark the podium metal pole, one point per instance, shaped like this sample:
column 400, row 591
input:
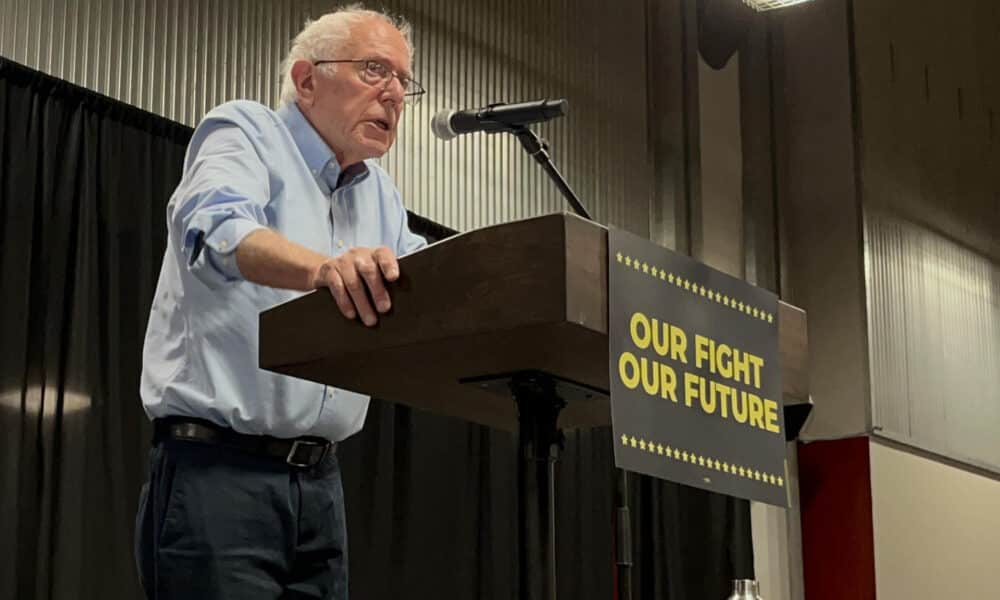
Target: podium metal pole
column 623, row 538
column 539, row 442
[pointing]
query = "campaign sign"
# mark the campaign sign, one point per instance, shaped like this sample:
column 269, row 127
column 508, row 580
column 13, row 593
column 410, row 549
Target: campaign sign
column 695, row 377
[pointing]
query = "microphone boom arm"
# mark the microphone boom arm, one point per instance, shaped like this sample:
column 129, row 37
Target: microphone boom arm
column 537, row 149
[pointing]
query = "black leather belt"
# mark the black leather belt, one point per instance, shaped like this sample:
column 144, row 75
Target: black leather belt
column 302, row 452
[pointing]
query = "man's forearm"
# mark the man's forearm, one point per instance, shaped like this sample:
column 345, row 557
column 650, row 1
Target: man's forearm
column 267, row 258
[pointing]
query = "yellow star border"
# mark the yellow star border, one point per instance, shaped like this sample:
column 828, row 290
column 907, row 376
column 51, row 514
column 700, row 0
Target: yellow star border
column 695, row 288
column 709, row 463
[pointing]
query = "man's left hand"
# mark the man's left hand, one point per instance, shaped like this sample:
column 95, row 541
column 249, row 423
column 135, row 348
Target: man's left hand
column 354, row 274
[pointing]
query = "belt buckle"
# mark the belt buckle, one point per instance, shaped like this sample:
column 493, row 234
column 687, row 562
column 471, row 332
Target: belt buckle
column 290, row 459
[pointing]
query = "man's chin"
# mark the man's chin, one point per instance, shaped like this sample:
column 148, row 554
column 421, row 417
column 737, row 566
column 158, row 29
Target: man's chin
column 376, row 148
column 367, row 147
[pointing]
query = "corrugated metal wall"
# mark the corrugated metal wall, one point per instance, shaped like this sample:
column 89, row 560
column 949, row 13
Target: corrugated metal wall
column 173, row 58
column 178, row 58
column 928, row 93
column 934, row 333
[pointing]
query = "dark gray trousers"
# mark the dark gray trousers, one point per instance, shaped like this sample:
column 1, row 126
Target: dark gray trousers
column 217, row 523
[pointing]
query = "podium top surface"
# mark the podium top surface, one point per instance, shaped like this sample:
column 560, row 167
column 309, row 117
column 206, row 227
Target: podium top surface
column 527, row 295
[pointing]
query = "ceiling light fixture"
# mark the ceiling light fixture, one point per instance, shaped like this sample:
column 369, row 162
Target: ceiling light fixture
column 762, row 5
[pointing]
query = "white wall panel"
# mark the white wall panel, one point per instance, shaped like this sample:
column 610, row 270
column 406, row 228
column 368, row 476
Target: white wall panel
column 936, row 527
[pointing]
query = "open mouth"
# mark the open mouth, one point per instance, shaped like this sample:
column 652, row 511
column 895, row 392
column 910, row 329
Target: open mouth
column 381, row 124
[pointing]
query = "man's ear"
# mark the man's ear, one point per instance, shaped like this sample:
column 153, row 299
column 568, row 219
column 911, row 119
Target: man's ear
column 305, row 82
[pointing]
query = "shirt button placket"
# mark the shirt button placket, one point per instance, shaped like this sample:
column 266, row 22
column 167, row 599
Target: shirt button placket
column 338, row 216
column 332, row 221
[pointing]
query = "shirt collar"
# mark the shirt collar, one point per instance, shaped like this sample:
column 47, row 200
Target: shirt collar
column 317, row 155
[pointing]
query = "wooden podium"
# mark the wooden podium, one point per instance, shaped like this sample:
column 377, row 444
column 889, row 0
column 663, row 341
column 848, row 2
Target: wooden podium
column 504, row 326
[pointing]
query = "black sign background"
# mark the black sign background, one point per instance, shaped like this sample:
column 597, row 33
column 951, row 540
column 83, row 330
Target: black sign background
column 673, row 441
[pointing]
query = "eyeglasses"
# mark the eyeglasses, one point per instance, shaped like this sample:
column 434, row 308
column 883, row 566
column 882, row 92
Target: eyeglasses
column 376, row 74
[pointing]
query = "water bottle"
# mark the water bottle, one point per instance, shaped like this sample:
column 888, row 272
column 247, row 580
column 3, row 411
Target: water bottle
column 745, row 589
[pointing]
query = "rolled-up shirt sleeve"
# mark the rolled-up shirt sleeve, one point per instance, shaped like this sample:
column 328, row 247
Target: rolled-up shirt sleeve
column 221, row 199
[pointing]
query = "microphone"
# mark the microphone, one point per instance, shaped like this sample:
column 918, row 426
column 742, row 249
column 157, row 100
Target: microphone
column 496, row 117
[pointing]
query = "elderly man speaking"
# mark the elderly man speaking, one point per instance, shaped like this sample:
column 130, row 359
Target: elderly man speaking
column 244, row 497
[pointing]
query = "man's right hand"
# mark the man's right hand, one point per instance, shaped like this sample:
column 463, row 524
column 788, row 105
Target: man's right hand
column 354, row 274
column 267, row 258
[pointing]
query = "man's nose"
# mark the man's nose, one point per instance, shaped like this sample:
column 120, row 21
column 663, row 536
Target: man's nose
column 394, row 91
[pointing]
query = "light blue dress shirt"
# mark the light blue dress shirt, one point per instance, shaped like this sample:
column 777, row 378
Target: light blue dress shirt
column 249, row 167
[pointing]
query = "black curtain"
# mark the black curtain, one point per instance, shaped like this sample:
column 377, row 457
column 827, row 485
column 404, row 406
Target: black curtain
column 431, row 501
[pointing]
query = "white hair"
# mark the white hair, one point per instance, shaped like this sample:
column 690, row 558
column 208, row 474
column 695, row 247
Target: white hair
column 323, row 39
